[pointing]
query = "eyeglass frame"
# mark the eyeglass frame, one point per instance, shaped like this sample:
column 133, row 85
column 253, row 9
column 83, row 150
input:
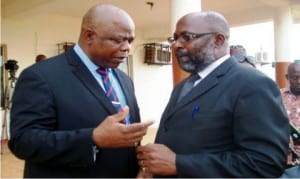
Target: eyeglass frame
column 188, row 37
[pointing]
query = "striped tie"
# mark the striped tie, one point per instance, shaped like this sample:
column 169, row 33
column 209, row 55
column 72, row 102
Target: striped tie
column 110, row 91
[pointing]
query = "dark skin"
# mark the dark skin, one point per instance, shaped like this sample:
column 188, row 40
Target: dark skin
column 40, row 57
column 106, row 36
column 193, row 56
column 107, row 40
column 293, row 76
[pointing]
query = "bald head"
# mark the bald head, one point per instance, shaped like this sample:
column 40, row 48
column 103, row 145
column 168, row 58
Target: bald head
column 101, row 15
column 210, row 20
column 293, row 67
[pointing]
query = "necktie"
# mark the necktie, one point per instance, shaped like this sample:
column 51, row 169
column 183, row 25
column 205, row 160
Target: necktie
column 188, row 86
column 110, row 91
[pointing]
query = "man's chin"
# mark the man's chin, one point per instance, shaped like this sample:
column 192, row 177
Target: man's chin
column 113, row 65
column 187, row 68
column 183, row 59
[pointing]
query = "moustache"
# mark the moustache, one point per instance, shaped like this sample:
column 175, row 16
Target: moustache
column 181, row 54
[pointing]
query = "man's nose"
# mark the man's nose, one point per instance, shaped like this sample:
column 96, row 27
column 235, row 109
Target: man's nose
column 126, row 45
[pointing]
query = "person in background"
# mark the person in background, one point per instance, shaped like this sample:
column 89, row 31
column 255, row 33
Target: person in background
column 291, row 100
column 223, row 121
column 240, row 54
column 40, row 57
column 65, row 121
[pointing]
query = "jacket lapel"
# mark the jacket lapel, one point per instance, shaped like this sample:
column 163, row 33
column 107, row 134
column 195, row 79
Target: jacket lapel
column 85, row 77
column 204, row 86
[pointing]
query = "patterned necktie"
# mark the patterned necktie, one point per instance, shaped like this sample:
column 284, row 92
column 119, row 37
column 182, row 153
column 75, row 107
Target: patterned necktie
column 188, row 86
column 110, row 91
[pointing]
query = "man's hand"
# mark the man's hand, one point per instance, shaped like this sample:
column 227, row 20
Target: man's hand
column 112, row 133
column 157, row 159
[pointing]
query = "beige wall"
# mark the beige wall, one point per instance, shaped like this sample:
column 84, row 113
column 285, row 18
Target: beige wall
column 25, row 38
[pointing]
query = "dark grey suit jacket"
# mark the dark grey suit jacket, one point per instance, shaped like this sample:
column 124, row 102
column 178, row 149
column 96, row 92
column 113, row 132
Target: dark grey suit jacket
column 232, row 124
column 56, row 105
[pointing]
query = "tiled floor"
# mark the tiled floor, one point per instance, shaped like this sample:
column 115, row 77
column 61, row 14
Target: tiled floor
column 12, row 167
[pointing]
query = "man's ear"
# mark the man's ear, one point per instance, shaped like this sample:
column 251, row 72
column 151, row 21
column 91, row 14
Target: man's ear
column 88, row 35
column 287, row 76
column 220, row 39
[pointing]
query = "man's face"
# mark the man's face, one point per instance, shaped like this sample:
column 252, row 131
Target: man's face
column 193, row 47
column 111, row 46
column 294, row 79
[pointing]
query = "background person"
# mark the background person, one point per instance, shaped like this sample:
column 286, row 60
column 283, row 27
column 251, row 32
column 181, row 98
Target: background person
column 291, row 100
column 62, row 122
column 232, row 123
column 240, row 54
column 40, row 57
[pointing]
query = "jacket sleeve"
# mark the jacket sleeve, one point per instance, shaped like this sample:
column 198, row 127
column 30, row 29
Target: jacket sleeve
column 33, row 123
column 260, row 135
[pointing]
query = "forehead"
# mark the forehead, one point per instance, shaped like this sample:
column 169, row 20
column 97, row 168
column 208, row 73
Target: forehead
column 194, row 24
column 112, row 19
column 118, row 28
column 295, row 70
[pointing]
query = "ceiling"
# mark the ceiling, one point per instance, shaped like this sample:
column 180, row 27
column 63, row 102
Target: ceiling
column 236, row 11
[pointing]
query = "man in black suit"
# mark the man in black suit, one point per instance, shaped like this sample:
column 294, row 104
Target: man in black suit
column 62, row 122
column 231, row 123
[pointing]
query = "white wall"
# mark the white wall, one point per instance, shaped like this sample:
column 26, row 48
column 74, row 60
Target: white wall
column 26, row 38
column 153, row 84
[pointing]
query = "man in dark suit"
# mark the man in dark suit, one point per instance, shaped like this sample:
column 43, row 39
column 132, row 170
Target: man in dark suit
column 63, row 123
column 231, row 123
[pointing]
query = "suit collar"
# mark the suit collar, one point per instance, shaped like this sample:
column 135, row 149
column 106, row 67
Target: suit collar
column 205, row 72
column 85, row 76
column 200, row 89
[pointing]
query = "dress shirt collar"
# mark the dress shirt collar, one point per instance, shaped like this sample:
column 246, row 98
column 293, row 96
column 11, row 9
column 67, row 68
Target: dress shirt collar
column 86, row 60
column 211, row 68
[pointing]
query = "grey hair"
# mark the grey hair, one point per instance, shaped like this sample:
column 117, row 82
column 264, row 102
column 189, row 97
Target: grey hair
column 219, row 23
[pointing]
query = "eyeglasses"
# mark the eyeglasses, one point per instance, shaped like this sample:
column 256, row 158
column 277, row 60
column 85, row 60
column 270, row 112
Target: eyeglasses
column 185, row 37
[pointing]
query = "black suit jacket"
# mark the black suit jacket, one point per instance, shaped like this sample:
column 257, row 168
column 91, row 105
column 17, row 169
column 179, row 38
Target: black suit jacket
column 232, row 124
column 56, row 105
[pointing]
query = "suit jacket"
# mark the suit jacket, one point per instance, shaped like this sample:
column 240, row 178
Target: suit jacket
column 232, row 124
column 55, row 107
